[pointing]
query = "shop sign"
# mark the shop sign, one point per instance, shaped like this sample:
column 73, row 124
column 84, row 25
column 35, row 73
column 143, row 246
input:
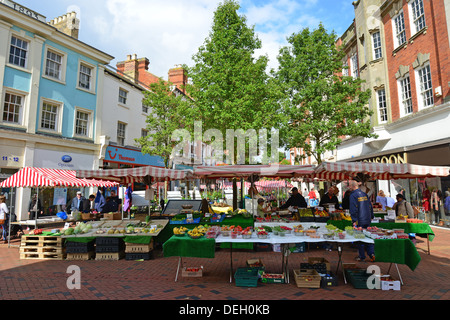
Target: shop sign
column 392, row 158
column 133, row 157
column 8, row 160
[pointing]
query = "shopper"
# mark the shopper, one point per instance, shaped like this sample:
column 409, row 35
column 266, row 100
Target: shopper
column 389, row 201
column 312, row 198
column 447, row 203
column 402, row 207
column 34, row 207
column 89, row 204
column 346, row 200
column 381, row 199
column 361, row 212
column 435, row 203
column 77, row 203
column 111, row 206
column 4, row 218
column 262, row 211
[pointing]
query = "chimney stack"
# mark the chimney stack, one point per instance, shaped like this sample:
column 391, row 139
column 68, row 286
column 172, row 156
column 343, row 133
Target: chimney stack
column 133, row 67
column 178, row 77
column 68, row 24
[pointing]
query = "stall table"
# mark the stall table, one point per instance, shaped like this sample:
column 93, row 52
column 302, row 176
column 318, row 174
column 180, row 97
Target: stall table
column 420, row 229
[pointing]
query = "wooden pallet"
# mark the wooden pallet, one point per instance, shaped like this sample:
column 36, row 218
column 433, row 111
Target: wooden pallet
column 109, row 255
column 81, row 256
column 42, row 256
column 138, row 248
column 47, row 249
column 41, row 241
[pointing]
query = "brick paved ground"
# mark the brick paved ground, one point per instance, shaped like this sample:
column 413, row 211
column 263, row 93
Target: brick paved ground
column 154, row 279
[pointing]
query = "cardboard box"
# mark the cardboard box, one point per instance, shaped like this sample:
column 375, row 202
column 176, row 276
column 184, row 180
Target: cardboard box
column 387, row 283
column 256, row 264
column 189, row 272
column 113, row 216
column 314, row 260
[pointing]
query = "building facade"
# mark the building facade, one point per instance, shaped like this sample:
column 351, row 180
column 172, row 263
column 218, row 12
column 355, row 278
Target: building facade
column 51, row 87
column 403, row 54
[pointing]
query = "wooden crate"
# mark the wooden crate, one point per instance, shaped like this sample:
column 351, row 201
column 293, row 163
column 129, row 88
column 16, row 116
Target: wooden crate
column 42, row 256
column 109, row 255
column 41, row 241
column 138, row 248
column 81, row 256
column 113, row 216
column 36, row 249
column 309, row 278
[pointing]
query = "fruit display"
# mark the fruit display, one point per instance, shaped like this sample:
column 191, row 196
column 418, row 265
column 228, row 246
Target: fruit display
column 247, row 233
column 180, row 230
column 286, row 229
column 321, row 213
column 305, row 213
column 212, row 232
column 197, row 232
column 262, row 234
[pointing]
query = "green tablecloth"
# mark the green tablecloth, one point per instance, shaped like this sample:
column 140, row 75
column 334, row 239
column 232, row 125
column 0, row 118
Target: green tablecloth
column 237, row 220
column 420, row 229
column 187, row 247
column 401, row 251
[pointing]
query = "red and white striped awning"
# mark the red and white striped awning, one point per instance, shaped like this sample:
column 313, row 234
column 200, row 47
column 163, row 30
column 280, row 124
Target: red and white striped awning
column 265, row 185
column 245, row 171
column 131, row 175
column 30, row 177
column 378, row 171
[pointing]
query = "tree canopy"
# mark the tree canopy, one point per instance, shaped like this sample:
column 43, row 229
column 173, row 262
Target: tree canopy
column 321, row 105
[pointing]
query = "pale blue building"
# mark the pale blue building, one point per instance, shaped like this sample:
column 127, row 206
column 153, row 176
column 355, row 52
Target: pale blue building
column 51, row 91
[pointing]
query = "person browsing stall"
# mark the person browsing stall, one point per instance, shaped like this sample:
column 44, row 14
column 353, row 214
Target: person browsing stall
column 361, row 212
column 77, row 203
column 296, row 200
column 261, row 210
column 381, row 199
column 402, row 207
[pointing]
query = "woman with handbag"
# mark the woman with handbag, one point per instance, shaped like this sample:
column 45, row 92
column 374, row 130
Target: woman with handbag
column 4, row 218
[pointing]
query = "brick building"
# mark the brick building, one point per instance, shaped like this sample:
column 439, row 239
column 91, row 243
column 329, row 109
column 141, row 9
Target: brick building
column 403, row 54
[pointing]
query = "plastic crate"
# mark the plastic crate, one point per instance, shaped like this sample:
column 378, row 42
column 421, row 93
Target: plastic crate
column 298, row 247
column 358, row 278
column 101, row 249
column 328, row 280
column 139, row 256
column 321, row 263
column 80, row 249
column 246, row 277
column 108, row 241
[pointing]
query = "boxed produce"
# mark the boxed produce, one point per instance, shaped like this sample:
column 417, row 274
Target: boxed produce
column 256, row 264
column 192, row 272
column 308, row 278
column 387, row 283
column 272, row 278
column 319, row 260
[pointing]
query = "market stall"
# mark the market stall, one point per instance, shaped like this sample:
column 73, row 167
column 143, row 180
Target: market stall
column 30, row 177
column 383, row 171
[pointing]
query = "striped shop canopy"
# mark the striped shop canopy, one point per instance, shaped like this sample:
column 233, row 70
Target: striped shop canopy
column 30, row 177
column 377, row 171
column 131, row 175
column 266, row 185
column 245, row 171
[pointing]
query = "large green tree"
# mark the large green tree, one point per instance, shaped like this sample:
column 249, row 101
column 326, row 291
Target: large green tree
column 321, row 104
column 230, row 88
column 169, row 111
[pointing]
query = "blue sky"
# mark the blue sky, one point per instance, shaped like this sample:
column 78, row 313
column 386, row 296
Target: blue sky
column 169, row 33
